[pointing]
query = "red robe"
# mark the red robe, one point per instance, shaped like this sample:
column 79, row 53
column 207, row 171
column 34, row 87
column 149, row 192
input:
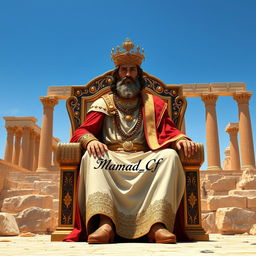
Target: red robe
column 160, row 131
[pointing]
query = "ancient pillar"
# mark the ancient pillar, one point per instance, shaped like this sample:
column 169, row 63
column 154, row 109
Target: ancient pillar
column 24, row 154
column 245, row 129
column 45, row 148
column 9, row 144
column 16, row 153
column 232, row 129
column 212, row 137
column 31, row 151
column 35, row 162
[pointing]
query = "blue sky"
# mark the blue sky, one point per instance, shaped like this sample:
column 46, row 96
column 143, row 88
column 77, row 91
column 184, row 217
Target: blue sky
column 44, row 43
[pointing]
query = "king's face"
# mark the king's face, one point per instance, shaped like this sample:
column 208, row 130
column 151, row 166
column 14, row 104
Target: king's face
column 128, row 71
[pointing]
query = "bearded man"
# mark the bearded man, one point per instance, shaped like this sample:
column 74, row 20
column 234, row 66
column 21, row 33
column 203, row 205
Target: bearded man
column 131, row 179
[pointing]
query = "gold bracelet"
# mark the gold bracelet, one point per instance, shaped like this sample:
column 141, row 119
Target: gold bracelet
column 85, row 139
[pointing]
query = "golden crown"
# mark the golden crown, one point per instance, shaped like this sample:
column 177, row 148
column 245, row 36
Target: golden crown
column 127, row 56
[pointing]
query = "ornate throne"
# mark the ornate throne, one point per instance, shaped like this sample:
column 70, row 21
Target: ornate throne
column 69, row 154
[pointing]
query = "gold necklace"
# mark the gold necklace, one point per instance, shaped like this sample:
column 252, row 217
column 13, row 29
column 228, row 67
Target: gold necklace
column 127, row 111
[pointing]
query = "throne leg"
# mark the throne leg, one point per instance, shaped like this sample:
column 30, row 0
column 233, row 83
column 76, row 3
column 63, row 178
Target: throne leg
column 67, row 198
column 192, row 206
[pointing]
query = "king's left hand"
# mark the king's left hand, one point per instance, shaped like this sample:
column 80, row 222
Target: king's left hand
column 189, row 147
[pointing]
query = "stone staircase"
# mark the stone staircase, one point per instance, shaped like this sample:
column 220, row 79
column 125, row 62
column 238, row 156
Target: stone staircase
column 33, row 199
column 228, row 201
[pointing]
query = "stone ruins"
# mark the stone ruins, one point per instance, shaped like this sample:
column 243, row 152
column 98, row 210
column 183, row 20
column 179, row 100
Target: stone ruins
column 29, row 172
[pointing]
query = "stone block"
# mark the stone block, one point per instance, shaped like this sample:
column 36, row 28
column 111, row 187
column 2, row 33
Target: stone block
column 36, row 220
column 208, row 222
column 248, row 180
column 215, row 202
column 56, row 204
column 251, row 202
column 38, row 184
column 213, row 177
column 234, row 220
column 253, row 230
column 51, row 190
column 203, row 205
column 224, row 184
column 8, row 226
column 245, row 193
column 19, row 203
column 217, row 193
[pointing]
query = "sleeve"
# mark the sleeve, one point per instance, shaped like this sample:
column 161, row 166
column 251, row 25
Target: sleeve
column 90, row 129
column 167, row 130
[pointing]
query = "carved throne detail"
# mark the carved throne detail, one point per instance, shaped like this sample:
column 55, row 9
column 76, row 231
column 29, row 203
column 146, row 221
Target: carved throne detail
column 69, row 154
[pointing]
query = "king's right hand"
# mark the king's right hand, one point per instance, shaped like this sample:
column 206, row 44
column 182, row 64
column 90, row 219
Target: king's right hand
column 96, row 148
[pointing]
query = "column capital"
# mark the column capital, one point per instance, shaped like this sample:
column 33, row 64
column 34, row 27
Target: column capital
column 209, row 98
column 49, row 101
column 10, row 129
column 242, row 97
column 232, row 128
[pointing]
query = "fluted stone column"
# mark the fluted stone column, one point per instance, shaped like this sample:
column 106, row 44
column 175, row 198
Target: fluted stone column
column 245, row 129
column 212, row 137
column 232, row 129
column 24, row 154
column 45, row 148
column 36, row 154
column 31, row 150
column 9, row 144
column 16, row 153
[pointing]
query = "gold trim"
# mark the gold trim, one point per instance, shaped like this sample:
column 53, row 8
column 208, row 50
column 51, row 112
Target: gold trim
column 128, row 225
column 70, row 112
column 182, row 112
column 85, row 139
column 149, row 109
column 85, row 101
column 161, row 115
column 109, row 100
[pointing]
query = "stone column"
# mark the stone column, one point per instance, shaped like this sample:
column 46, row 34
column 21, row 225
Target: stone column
column 245, row 129
column 16, row 153
column 9, row 144
column 212, row 137
column 31, row 151
column 232, row 129
column 24, row 154
column 45, row 148
column 36, row 154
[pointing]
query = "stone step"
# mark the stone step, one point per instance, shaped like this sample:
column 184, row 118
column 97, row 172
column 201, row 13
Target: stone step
column 215, row 202
column 19, row 185
column 245, row 193
column 18, row 192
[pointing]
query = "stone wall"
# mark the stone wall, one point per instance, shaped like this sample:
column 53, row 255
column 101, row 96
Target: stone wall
column 228, row 201
column 28, row 201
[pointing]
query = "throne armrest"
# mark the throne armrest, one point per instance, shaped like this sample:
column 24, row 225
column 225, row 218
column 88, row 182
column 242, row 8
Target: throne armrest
column 195, row 161
column 69, row 154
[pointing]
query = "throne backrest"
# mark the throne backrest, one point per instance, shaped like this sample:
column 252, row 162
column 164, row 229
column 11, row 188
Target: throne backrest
column 83, row 96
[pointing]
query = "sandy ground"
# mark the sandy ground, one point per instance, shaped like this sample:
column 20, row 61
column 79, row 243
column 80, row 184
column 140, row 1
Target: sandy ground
column 41, row 245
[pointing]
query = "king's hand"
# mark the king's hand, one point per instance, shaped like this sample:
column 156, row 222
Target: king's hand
column 188, row 146
column 96, row 148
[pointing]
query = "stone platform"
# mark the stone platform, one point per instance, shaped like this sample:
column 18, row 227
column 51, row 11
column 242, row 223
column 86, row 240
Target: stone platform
column 231, row 245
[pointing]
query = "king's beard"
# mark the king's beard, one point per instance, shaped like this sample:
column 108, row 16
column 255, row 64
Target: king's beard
column 128, row 89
